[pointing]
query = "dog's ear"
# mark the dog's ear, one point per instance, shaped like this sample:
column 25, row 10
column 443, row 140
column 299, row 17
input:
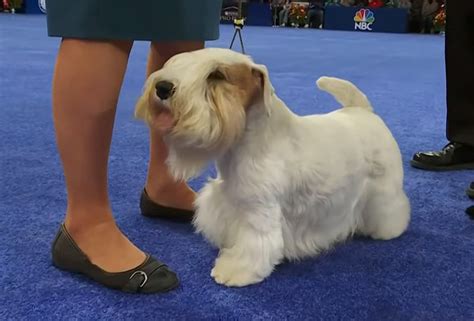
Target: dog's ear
column 253, row 82
column 260, row 74
column 142, row 107
column 225, row 97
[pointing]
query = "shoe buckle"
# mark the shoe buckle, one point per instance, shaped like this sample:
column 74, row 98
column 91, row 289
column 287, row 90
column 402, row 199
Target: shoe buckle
column 145, row 277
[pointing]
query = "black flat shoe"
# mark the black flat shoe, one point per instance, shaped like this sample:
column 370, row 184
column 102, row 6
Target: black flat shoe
column 453, row 156
column 154, row 210
column 470, row 212
column 470, row 191
column 151, row 276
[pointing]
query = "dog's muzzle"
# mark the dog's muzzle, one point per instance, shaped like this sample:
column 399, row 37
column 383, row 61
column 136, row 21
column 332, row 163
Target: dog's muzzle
column 162, row 116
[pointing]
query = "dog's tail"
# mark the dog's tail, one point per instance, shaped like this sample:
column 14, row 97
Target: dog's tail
column 344, row 92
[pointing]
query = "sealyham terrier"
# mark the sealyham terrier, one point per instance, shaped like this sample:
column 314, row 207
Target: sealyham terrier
column 287, row 186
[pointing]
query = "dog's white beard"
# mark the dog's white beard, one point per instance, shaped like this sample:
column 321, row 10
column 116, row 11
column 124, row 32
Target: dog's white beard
column 202, row 136
column 185, row 164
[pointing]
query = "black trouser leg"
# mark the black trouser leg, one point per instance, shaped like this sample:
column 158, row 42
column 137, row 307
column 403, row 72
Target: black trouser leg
column 460, row 72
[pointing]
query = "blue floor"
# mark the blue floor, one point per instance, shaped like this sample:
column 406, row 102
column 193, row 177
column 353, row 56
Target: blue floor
column 427, row 274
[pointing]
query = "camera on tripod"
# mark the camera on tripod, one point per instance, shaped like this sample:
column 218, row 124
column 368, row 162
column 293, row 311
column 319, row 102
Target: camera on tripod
column 239, row 23
column 238, row 26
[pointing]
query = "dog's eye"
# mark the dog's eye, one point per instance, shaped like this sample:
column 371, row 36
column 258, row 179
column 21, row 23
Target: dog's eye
column 216, row 75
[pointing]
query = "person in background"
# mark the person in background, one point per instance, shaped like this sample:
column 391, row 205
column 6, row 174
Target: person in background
column 332, row 2
column 284, row 13
column 316, row 13
column 361, row 3
column 415, row 16
column 428, row 12
column 346, row 3
column 459, row 152
column 277, row 7
column 404, row 4
column 6, row 6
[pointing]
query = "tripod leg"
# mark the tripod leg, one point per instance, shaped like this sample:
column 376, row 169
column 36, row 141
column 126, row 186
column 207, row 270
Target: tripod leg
column 233, row 38
column 241, row 42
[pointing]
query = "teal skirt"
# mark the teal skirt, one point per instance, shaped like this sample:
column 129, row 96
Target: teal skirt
column 154, row 20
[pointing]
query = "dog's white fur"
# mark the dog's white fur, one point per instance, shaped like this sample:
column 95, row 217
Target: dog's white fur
column 287, row 186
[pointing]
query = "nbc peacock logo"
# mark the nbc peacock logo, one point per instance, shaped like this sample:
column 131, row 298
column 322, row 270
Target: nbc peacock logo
column 364, row 18
column 42, row 5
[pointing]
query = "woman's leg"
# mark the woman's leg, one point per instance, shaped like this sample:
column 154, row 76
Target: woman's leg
column 86, row 86
column 160, row 186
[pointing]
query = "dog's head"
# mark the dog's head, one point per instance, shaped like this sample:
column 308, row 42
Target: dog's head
column 200, row 101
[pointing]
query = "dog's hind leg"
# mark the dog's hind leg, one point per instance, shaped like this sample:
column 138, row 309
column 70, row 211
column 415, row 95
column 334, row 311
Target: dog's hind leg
column 386, row 214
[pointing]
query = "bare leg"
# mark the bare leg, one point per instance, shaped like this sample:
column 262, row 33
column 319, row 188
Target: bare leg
column 86, row 86
column 160, row 186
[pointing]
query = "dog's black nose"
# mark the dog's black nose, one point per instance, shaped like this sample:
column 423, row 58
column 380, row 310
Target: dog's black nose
column 164, row 89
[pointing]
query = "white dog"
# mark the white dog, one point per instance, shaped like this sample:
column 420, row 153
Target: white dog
column 287, row 186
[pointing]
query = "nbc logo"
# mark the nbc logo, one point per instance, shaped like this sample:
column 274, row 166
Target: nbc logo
column 364, row 18
column 42, row 5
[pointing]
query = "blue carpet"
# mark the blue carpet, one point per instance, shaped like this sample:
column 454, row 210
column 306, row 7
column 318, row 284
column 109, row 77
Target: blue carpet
column 425, row 275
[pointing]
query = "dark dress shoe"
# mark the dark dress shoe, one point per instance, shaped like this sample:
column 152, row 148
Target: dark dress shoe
column 151, row 209
column 152, row 276
column 452, row 157
column 470, row 191
column 470, row 212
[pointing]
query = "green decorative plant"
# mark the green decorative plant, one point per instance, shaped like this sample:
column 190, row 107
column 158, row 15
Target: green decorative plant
column 439, row 21
column 15, row 4
column 299, row 15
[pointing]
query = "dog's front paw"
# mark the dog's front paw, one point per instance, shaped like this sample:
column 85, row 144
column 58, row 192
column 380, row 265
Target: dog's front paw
column 232, row 271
